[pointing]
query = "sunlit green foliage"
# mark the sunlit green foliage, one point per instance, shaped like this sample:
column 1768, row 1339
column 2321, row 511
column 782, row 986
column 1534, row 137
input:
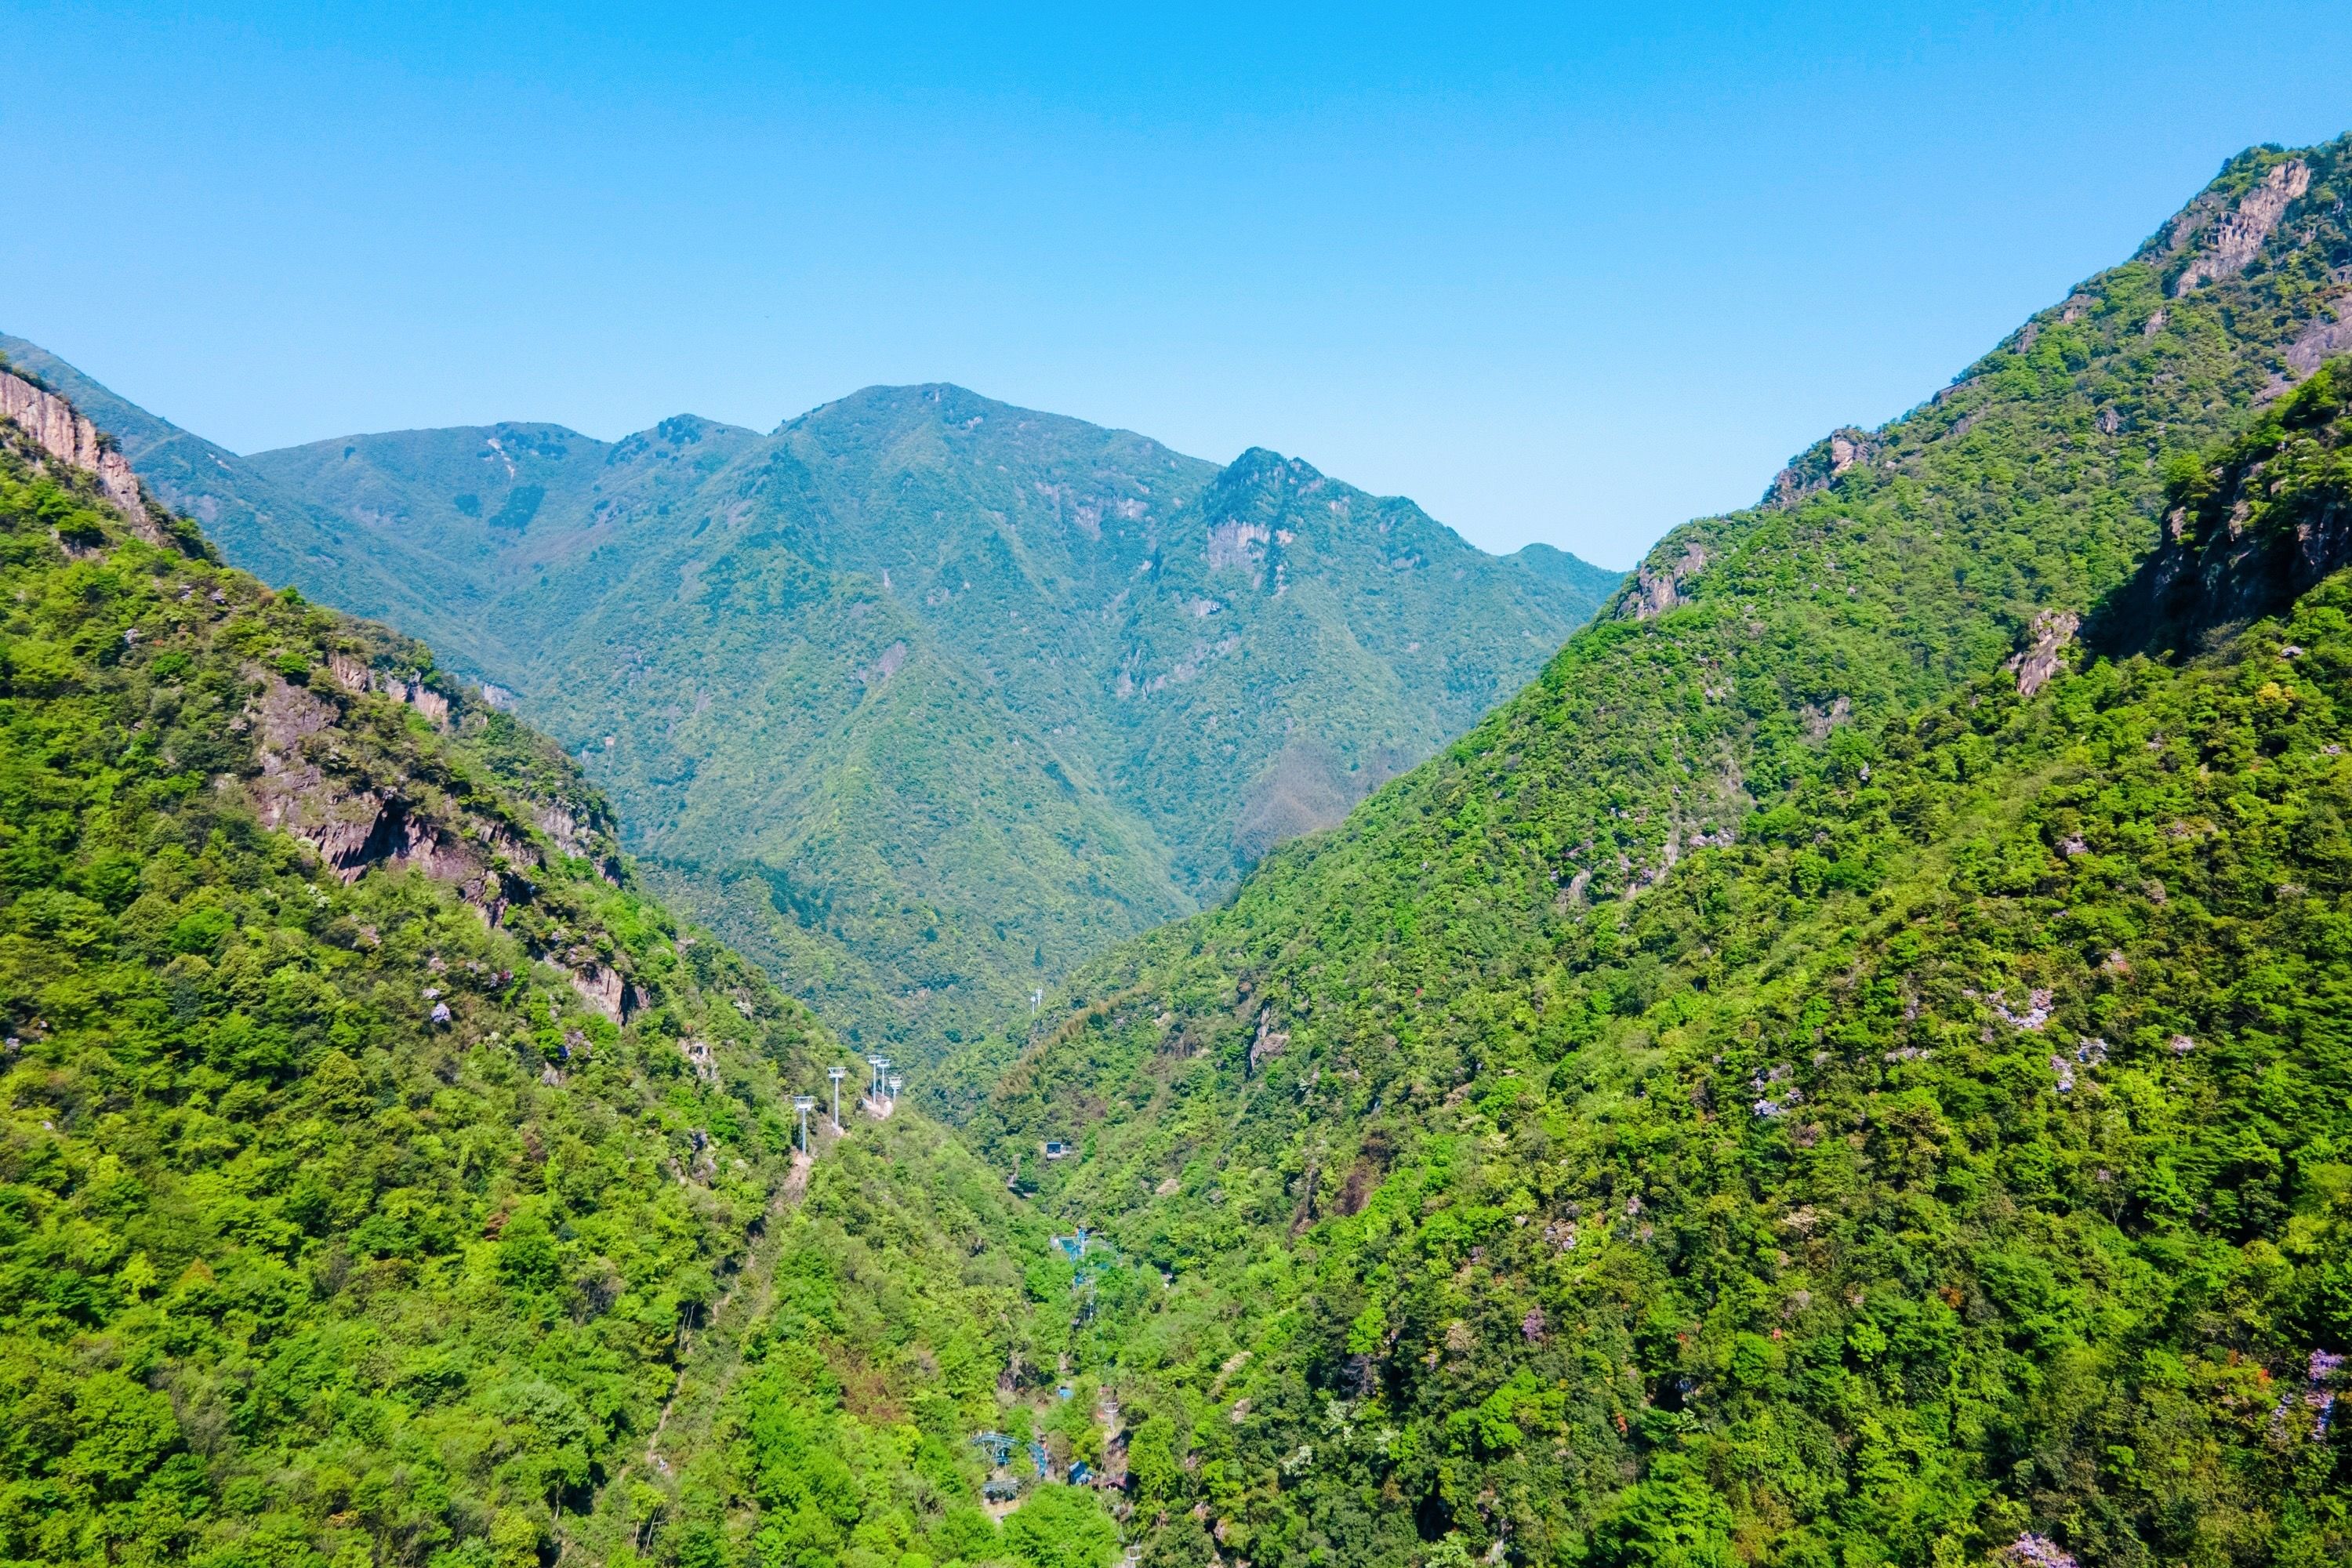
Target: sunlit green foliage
column 1833, row 1074
column 919, row 700
column 1774, row 1092
column 902, row 1299
column 332, row 1221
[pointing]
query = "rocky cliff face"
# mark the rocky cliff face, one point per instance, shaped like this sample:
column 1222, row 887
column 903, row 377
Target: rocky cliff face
column 357, row 820
column 1658, row 583
column 2246, row 537
column 59, row 430
column 2236, row 237
column 317, row 781
column 324, row 760
column 1830, row 458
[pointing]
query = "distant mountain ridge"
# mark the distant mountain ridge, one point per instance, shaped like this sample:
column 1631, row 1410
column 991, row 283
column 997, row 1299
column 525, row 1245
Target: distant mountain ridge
column 921, row 699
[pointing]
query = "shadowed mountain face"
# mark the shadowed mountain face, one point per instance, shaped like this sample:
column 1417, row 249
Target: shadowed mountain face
column 921, row 699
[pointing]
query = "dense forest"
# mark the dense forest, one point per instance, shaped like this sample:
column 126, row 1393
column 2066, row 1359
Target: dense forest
column 1852, row 1065
column 921, row 698
column 1839, row 1069
column 384, row 1177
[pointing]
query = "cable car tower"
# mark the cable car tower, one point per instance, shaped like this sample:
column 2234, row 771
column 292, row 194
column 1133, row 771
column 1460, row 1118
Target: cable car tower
column 836, row 1073
column 804, row 1103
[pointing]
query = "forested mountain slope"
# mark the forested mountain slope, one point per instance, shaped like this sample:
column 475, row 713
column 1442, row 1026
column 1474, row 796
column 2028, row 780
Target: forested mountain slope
column 921, row 698
column 383, row 1177
column 1048, row 557
column 1835, row 1071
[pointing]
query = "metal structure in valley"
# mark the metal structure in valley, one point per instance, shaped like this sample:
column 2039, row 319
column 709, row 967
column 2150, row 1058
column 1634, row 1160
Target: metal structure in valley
column 1089, row 1257
column 999, row 1487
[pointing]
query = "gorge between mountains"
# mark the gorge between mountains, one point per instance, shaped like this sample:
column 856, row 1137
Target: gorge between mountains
column 1834, row 1047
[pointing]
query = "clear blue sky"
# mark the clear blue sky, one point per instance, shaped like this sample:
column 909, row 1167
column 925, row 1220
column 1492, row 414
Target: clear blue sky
column 1568, row 273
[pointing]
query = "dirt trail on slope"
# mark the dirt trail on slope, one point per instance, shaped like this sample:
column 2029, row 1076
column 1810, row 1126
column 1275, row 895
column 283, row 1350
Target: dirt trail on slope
column 710, row 1357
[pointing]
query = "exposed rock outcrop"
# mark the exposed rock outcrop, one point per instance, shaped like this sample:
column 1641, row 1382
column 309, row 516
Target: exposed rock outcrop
column 1820, row 464
column 59, row 429
column 1270, row 1041
column 2044, row 653
column 354, row 826
column 2329, row 334
column 889, row 663
column 2238, row 236
column 303, row 787
column 2248, row 538
column 1236, row 542
column 355, row 676
column 331, row 785
column 1657, row 583
column 567, row 830
column 603, row 989
column 1823, row 719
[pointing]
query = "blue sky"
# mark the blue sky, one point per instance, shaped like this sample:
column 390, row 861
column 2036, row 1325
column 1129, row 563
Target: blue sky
column 1567, row 273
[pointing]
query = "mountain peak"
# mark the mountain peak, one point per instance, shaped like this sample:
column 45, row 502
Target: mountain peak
column 2219, row 233
column 939, row 401
column 1264, row 466
column 672, row 435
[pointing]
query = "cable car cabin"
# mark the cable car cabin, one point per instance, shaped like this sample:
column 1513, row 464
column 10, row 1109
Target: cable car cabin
column 1056, row 1150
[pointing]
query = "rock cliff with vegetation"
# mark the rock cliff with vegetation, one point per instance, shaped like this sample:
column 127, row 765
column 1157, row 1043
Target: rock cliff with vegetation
column 383, row 1176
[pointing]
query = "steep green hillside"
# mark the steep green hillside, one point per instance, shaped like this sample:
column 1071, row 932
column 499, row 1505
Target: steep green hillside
column 1819, row 1077
column 923, row 699
column 383, row 1177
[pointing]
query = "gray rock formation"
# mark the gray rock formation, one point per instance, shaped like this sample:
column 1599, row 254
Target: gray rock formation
column 2046, row 651
column 2238, row 236
column 1657, row 585
column 59, row 429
